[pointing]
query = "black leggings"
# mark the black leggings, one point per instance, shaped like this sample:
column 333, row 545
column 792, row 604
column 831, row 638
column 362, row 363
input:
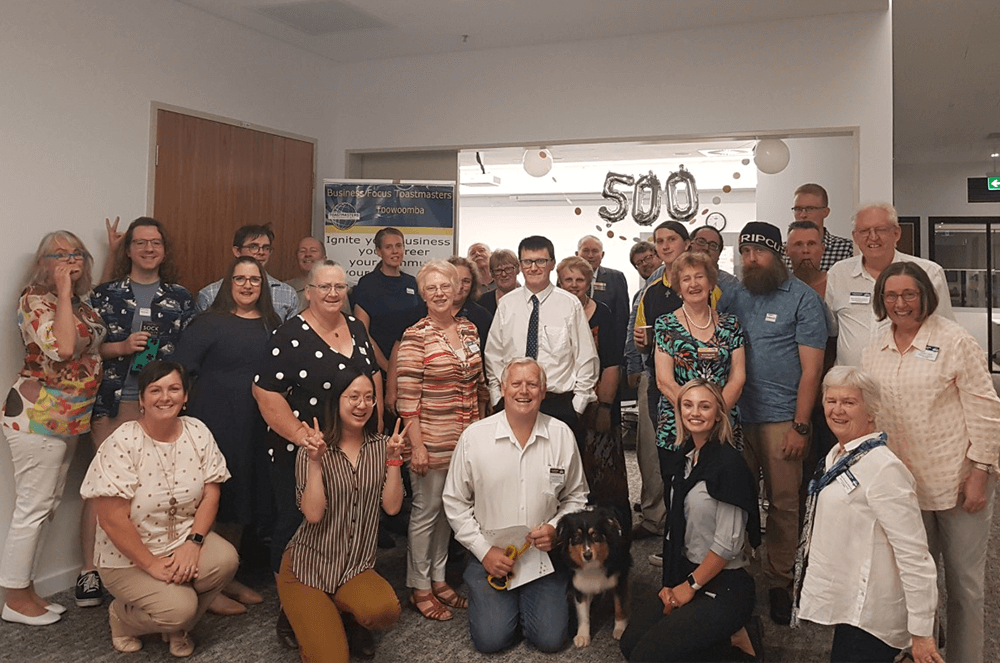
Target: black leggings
column 697, row 631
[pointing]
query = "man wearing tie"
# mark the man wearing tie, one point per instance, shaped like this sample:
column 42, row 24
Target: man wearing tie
column 548, row 324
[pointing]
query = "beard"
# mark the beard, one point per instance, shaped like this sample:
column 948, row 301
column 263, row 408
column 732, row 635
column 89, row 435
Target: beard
column 761, row 280
column 807, row 271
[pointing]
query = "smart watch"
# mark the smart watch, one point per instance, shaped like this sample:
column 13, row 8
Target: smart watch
column 694, row 583
column 196, row 538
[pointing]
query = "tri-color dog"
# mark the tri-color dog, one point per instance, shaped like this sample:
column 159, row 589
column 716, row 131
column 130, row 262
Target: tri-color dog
column 595, row 549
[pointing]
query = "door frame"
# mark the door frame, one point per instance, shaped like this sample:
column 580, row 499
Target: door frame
column 155, row 106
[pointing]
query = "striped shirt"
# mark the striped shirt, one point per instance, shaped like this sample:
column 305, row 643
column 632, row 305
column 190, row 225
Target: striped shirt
column 327, row 554
column 441, row 385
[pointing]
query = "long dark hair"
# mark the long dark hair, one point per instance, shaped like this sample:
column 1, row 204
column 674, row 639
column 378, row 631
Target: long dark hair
column 123, row 263
column 342, row 379
column 224, row 303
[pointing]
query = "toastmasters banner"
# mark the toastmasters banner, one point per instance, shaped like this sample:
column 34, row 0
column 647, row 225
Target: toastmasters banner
column 357, row 209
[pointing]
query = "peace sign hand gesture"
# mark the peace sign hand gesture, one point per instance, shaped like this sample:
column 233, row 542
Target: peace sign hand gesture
column 115, row 238
column 395, row 444
column 315, row 443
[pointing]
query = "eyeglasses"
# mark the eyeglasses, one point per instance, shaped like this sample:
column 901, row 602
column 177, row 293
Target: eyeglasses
column 645, row 262
column 534, row 262
column 435, row 289
column 67, row 257
column 908, row 296
column 325, row 288
column 143, row 243
column 504, row 271
column 705, row 244
column 242, row 280
column 806, row 210
column 258, row 248
column 357, row 399
column 878, row 231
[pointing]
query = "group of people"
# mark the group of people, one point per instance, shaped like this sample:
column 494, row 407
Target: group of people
column 497, row 407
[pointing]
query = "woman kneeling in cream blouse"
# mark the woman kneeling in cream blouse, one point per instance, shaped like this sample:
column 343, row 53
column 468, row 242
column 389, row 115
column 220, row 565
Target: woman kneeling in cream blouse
column 155, row 484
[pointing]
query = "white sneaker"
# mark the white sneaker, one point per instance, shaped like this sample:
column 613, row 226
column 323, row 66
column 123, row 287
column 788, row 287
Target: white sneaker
column 656, row 559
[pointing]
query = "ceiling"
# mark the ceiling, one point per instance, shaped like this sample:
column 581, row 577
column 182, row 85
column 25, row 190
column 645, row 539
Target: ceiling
column 946, row 54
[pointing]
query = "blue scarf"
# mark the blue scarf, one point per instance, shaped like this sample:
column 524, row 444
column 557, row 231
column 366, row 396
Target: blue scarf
column 821, row 479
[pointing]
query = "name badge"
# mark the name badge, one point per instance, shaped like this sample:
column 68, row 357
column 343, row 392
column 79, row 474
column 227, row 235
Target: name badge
column 557, row 476
column 410, row 291
column 473, row 347
column 145, row 313
column 930, row 353
column 708, row 354
column 847, row 481
column 771, row 317
column 600, row 287
column 861, row 298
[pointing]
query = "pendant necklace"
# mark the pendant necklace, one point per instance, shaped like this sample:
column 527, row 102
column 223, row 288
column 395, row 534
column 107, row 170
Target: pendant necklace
column 171, row 482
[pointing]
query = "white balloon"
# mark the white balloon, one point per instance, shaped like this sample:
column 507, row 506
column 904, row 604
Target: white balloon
column 537, row 162
column 771, row 155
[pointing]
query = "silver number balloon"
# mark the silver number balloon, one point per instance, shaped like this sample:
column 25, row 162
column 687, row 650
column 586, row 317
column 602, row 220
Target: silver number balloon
column 642, row 216
column 621, row 202
column 682, row 195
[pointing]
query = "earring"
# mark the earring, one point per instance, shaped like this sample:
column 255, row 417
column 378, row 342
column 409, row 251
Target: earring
column 142, row 410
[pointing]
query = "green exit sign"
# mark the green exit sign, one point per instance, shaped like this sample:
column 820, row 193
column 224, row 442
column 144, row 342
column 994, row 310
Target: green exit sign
column 993, row 183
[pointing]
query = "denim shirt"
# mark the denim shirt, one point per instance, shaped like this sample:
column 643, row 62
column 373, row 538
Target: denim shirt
column 172, row 308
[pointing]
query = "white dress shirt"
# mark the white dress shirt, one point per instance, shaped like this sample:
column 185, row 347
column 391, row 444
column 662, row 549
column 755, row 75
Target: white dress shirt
column 495, row 483
column 849, row 292
column 566, row 349
column 868, row 560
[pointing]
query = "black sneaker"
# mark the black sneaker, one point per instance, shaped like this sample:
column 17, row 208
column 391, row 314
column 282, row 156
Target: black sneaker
column 89, row 590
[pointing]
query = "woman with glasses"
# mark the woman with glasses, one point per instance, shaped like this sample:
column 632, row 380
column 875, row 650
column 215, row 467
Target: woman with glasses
column 941, row 414
column 47, row 408
column 505, row 267
column 302, row 359
column 441, row 388
column 144, row 312
column 345, row 473
column 222, row 350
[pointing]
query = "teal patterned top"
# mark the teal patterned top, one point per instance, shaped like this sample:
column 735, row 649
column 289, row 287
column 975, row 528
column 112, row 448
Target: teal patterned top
column 696, row 359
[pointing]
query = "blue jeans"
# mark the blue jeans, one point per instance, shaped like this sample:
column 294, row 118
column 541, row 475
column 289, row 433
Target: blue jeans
column 540, row 607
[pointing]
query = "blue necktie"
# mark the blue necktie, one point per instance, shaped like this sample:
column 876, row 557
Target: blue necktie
column 531, row 347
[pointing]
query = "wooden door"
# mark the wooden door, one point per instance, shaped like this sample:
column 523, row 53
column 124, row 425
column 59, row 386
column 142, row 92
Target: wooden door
column 212, row 177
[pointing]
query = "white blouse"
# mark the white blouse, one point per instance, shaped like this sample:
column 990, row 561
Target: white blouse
column 132, row 465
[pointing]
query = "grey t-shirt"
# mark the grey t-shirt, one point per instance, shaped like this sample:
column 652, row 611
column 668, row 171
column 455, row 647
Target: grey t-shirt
column 143, row 293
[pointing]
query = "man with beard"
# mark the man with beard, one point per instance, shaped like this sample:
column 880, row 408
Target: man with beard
column 813, row 204
column 851, row 282
column 786, row 331
column 805, row 249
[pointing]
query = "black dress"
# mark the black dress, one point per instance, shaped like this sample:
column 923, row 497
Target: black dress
column 300, row 365
column 602, row 453
column 223, row 352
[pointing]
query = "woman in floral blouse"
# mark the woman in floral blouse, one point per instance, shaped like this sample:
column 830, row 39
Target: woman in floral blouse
column 47, row 408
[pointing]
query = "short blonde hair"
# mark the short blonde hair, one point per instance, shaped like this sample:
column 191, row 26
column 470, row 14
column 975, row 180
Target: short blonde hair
column 690, row 259
column 437, row 266
column 577, row 263
column 41, row 275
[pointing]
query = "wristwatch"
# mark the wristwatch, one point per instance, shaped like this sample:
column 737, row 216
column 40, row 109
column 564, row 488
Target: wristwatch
column 694, row 583
column 196, row 538
column 801, row 429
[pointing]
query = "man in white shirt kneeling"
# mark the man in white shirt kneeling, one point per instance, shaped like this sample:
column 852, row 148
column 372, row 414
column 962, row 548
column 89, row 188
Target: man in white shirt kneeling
column 513, row 476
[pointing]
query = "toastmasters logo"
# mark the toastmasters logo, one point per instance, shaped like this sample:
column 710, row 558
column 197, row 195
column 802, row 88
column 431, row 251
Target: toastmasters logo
column 343, row 216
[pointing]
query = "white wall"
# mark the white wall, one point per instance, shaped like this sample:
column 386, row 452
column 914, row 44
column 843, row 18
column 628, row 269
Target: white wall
column 797, row 75
column 76, row 84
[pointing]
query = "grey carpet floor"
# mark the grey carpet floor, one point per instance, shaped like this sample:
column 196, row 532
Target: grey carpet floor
column 83, row 634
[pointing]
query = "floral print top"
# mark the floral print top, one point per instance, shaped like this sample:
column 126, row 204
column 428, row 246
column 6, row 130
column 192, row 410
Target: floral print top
column 695, row 359
column 54, row 396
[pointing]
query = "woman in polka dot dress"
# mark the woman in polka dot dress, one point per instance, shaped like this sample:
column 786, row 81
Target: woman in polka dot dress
column 293, row 384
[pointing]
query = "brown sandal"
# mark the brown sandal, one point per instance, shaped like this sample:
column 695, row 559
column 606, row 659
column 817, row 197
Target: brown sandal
column 430, row 607
column 451, row 598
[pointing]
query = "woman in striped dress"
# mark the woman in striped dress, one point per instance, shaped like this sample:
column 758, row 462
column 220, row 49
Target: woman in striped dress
column 343, row 475
column 442, row 390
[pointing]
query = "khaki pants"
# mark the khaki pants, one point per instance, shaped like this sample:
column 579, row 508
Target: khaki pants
column 782, row 478
column 654, row 510
column 144, row 604
column 315, row 615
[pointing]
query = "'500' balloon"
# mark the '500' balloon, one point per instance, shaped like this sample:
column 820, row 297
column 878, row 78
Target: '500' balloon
column 682, row 197
column 621, row 202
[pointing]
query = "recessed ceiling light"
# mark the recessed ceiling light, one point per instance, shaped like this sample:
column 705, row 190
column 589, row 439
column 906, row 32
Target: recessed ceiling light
column 995, row 155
